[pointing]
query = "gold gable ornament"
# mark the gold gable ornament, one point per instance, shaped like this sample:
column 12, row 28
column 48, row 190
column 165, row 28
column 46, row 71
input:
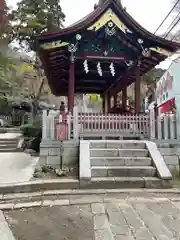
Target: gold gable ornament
column 161, row 51
column 109, row 16
column 54, row 44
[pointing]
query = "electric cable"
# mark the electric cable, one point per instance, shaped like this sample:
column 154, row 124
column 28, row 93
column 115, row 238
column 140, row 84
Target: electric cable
column 174, row 25
column 167, row 16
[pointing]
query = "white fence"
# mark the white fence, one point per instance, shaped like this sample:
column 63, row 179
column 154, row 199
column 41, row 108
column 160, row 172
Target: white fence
column 110, row 124
column 86, row 124
column 163, row 127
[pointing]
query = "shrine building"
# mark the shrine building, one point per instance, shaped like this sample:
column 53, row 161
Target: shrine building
column 102, row 53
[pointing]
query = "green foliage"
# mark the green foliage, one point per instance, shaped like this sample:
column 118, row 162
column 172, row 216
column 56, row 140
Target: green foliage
column 31, row 130
column 5, row 107
column 148, row 78
column 10, row 80
column 34, row 17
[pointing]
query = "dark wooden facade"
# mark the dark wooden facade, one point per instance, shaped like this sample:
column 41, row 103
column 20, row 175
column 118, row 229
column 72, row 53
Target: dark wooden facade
column 107, row 39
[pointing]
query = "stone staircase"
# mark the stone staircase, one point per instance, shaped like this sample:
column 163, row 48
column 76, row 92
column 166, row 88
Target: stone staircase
column 8, row 145
column 124, row 164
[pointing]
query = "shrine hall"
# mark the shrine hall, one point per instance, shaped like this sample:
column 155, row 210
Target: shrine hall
column 102, row 53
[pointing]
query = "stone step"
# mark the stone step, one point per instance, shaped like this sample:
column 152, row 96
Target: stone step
column 123, row 171
column 121, row 161
column 8, row 145
column 101, row 152
column 118, row 144
column 10, row 140
column 128, row 182
column 3, row 150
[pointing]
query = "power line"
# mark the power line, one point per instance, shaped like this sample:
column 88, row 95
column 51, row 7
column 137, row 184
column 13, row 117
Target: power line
column 175, row 37
column 167, row 16
column 174, row 25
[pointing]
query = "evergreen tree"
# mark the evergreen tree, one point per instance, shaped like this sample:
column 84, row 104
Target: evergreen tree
column 34, row 17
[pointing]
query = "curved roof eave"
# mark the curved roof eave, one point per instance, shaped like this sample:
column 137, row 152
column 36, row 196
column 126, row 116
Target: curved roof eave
column 97, row 12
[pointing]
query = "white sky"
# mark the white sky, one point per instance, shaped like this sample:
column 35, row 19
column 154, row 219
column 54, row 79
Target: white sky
column 149, row 13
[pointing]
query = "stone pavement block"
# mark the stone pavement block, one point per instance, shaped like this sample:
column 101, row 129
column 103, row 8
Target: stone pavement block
column 143, row 234
column 85, row 199
column 47, row 203
column 103, row 234
column 131, row 216
column 121, row 237
column 120, row 230
column 112, row 206
column 100, row 222
column 27, row 205
column 97, row 208
column 153, row 222
column 61, row 202
column 114, row 197
column 175, row 199
column 171, row 209
column 176, row 204
column 7, row 206
column 166, row 217
column 115, row 215
column 21, row 195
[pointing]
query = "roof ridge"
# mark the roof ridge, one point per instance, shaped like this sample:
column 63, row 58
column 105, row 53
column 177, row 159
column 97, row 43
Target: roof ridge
column 102, row 2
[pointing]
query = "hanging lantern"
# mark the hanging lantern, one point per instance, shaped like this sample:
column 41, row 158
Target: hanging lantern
column 99, row 69
column 112, row 70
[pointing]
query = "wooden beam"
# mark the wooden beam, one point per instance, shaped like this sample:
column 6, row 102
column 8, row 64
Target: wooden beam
column 125, row 75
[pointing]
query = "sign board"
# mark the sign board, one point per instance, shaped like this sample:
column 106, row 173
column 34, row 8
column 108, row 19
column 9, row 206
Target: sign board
column 61, row 131
column 164, row 88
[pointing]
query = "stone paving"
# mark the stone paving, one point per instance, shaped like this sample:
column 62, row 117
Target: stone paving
column 96, row 217
column 16, row 167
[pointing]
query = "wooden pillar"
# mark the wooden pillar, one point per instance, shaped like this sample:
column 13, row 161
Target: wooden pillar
column 71, row 85
column 103, row 103
column 107, row 102
column 138, row 90
column 124, row 97
column 115, row 100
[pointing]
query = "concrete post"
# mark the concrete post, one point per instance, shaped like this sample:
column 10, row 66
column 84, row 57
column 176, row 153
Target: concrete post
column 44, row 124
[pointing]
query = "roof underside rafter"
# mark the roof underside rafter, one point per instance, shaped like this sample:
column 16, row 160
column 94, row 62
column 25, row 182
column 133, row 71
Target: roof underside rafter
column 107, row 35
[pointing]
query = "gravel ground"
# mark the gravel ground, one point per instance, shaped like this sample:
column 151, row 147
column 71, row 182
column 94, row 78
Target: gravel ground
column 56, row 223
column 95, row 217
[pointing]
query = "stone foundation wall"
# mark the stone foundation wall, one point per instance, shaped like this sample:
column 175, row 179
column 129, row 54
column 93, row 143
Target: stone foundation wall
column 51, row 152
column 171, row 154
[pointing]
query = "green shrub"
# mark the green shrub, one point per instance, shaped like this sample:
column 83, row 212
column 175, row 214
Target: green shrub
column 31, row 130
column 2, row 130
